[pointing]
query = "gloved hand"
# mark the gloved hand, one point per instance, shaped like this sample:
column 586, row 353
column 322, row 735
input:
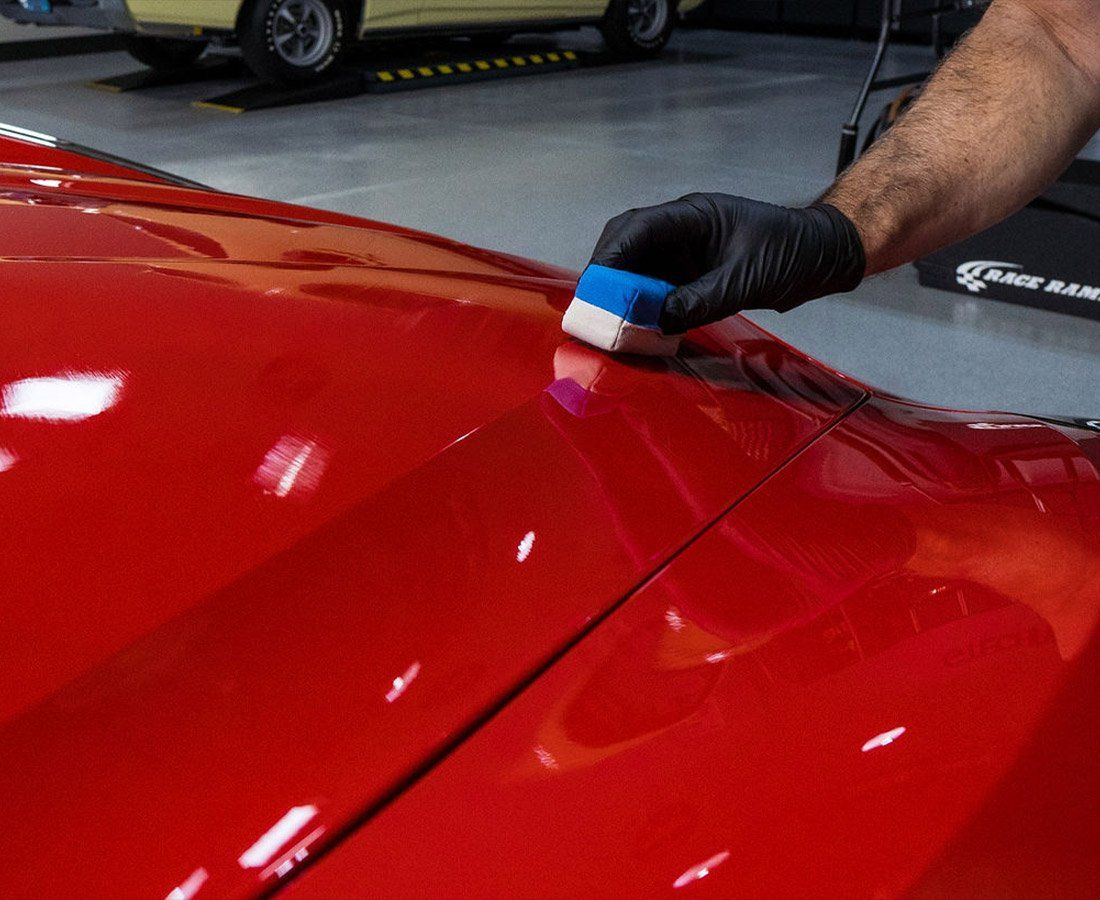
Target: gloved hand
column 729, row 253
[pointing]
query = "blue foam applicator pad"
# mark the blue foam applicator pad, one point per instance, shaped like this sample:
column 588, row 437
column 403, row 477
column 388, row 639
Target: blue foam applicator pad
column 620, row 311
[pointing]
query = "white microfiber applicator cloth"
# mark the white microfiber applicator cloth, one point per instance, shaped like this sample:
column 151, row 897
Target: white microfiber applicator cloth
column 619, row 311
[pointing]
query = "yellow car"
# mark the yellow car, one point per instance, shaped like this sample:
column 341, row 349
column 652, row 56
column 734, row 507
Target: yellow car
column 299, row 40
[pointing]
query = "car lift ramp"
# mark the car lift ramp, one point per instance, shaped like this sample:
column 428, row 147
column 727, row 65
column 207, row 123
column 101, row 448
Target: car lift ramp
column 436, row 68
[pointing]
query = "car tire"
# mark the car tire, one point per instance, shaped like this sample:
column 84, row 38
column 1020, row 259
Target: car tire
column 163, row 53
column 293, row 41
column 638, row 28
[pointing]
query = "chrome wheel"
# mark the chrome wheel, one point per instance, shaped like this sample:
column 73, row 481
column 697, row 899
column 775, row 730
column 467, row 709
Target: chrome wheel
column 646, row 19
column 302, row 32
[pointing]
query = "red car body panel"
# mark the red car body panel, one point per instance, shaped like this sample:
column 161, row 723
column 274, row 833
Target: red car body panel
column 44, row 153
column 337, row 464
column 811, row 700
column 323, row 539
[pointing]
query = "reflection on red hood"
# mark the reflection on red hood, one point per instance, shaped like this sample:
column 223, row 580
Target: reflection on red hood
column 293, row 501
column 855, row 682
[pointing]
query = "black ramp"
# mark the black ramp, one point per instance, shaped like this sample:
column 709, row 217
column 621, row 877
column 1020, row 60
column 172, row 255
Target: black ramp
column 424, row 71
column 347, row 83
column 209, row 69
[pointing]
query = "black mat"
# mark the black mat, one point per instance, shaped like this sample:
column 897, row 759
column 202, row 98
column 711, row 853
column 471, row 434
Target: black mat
column 1047, row 255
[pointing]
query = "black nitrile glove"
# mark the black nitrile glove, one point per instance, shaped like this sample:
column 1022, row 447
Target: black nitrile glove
column 729, row 253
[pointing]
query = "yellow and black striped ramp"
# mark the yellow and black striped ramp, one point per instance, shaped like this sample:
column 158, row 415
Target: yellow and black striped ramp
column 425, row 73
column 496, row 66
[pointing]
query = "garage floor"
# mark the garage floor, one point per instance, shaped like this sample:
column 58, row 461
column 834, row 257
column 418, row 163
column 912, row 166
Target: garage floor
column 536, row 165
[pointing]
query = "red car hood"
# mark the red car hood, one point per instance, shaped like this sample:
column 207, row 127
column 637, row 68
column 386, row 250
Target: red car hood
column 294, row 502
column 876, row 674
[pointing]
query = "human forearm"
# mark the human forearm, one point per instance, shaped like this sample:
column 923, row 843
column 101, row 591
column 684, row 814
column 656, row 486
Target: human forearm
column 1002, row 117
column 1000, row 120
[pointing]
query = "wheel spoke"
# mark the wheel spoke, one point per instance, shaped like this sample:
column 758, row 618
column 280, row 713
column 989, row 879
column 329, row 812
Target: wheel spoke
column 302, row 31
column 646, row 18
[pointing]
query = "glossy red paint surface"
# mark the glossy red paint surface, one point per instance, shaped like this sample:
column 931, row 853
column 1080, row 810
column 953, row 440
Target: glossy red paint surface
column 292, row 501
column 320, row 538
column 40, row 151
column 828, row 694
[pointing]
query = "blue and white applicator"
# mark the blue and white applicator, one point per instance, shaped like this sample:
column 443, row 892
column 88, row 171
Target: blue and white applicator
column 619, row 311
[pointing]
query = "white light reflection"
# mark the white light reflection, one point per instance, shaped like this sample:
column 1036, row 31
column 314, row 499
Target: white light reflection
column 260, row 853
column 525, row 547
column 884, row 739
column 460, row 439
column 8, row 458
column 1003, row 426
column 401, row 682
column 68, row 397
column 46, row 182
column 293, row 465
column 26, row 132
column 546, row 758
column 719, row 656
column 701, row 871
column 284, row 864
column 674, row 619
column 188, row 888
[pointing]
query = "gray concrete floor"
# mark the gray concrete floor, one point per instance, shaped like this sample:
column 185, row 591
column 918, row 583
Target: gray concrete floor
column 535, row 166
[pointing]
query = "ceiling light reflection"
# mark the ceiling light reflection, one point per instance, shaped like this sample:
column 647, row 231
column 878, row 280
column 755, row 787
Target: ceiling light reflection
column 69, row 397
column 525, row 547
column 884, row 739
column 546, row 758
column 27, row 133
column 401, row 682
column 283, row 865
column 260, row 853
column 294, row 465
column 188, row 888
column 8, row 458
column 701, row 871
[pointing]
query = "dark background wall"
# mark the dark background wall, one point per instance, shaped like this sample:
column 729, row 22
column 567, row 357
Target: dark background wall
column 843, row 18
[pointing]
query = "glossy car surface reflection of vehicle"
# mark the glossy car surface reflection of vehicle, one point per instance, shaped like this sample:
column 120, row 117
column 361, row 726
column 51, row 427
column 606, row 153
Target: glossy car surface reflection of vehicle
column 300, row 40
column 332, row 566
